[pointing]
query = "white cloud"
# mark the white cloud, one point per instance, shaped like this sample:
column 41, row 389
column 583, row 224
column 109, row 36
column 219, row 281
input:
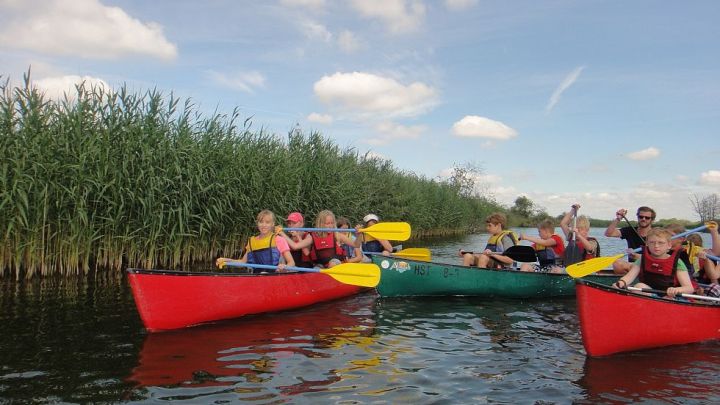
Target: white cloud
column 391, row 131
column 645, row 154
column 320, row 118
column 456, row 5
column 566, row 83
column 314, row 30
column 60, row 86
column 84, row 28
column 710, row 178
column 481, row 127
column 309, row 4
column 399, row 16
column 348, row 42
column 367, row 95
column 243, row 81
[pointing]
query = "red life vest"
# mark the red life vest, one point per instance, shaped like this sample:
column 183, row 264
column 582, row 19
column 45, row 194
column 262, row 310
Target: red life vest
column 552, row 255
column 659, row 273
column 325, row 248
column 300, row 258
column 586, row 254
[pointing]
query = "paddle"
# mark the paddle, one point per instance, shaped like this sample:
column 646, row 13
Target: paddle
column 419, row 254
column 573, row 253
column 519, row 253
column 360, row 274
column 590, row 266
column 382, row 230
column 632, row 227
column 661, row 292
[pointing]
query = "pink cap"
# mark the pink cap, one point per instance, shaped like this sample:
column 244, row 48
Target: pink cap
column 295, row 217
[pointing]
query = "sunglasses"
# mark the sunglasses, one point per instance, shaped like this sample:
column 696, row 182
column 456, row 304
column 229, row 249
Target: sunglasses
column 645, row 217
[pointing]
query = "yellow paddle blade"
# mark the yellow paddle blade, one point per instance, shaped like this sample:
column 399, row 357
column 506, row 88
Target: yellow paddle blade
column 421, row 254
column 388, row 230
column 360, row 274
column 590, row 266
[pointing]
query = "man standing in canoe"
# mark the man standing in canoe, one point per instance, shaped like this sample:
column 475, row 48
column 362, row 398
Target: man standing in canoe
column 635, row 238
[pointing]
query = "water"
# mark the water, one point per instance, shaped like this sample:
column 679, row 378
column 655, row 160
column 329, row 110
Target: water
column 80, row 341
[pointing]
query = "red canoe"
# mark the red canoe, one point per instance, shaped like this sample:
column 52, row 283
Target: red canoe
column 614, row 321
column 175, row 299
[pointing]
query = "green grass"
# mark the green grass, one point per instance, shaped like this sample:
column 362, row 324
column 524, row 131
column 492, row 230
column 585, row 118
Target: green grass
column 105, row 180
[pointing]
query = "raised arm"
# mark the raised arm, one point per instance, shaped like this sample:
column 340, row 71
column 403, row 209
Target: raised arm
column 305, row 242
column 612, row 230
column 565, row 221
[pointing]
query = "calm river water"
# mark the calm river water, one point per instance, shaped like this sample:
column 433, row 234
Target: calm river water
column 81, row 341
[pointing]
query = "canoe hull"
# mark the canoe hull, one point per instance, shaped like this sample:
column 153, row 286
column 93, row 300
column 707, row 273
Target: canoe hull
column 176, row 299
column 402, row 277
column 615, row 321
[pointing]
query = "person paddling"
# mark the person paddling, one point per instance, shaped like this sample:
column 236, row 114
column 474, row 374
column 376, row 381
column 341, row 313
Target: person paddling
column 659, row 267
column 548, row 245
column 499, row 241
column 588, row 246
column 326, row 247
column 635, row 238
column 371, row 244
column 265, row 248
column 301, row 255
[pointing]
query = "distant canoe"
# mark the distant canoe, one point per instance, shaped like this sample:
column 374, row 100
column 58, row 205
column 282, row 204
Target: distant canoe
column 402, row 277
column 615, row 321
column 169, row 299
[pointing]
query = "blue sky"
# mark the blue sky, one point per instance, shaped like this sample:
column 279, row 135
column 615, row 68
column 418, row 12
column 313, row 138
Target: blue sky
column 607, row 103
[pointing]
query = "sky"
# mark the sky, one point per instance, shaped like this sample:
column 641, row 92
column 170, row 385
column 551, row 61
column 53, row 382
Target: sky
column 609, row 104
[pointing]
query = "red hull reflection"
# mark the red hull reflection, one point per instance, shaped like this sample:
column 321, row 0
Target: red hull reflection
column 688, row 371
column 250, row 349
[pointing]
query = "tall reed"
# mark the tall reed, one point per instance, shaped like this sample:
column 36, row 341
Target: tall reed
column 113, row 179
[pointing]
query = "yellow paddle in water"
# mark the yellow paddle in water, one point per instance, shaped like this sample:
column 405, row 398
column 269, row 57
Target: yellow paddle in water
column 359, row 274
column 382, row 230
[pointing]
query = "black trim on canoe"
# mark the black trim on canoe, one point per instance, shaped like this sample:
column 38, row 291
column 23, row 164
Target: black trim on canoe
column 695, row 303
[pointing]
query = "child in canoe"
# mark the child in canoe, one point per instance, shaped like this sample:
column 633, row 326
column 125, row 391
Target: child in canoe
column 708, row 272
column 549, row 247
column 659, row 267
column 371, row 244
column 588, row 246
column 499, row 241
column 326, row 247
column 300, row 255
column 353, row 254
column 265, row 248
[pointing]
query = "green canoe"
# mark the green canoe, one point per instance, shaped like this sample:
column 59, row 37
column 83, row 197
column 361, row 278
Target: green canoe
column 403, row 277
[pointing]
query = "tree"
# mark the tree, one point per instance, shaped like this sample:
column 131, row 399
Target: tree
column 524, row 207
column 707, row 207
column 465, row 180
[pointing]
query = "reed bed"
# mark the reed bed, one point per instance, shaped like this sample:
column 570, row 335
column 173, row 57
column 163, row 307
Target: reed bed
column 106, row 180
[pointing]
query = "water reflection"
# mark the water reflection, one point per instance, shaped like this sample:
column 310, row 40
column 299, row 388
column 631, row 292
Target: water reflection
column 682, row 373
column 262, row 356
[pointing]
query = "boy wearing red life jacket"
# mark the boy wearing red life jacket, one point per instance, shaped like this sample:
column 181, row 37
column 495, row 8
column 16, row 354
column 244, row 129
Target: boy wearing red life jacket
column 659, row 267
column 549, row 247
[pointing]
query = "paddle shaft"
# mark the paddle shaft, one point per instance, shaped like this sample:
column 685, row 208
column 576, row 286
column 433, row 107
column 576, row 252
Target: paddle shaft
column 680, row 235
column 661, row 292
column 237, row 263
column 359, row 274
column 519, row 253
column 632, row 227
